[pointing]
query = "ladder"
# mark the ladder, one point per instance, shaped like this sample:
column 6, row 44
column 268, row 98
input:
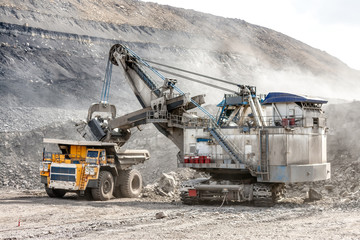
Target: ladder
column 82, row 179
column 264, row 155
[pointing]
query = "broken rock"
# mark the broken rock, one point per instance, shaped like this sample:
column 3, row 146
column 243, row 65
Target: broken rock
column 314, row 195
column 160, row 215
column 167, row 183
column 329, row 187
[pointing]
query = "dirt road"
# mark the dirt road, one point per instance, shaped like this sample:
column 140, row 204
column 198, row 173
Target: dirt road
column 45, row 218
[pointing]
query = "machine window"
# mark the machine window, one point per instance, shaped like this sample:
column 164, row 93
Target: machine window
column 315, row 121
column 92, row 154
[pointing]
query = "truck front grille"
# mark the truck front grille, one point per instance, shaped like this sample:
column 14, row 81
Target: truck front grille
column 60, row 173
column 68, row 178
column 63, row 170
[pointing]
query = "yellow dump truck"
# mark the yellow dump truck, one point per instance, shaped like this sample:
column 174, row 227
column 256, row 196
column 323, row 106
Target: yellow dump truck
column 93, row 169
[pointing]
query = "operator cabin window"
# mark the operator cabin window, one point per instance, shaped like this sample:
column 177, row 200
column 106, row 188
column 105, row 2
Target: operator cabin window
column 316, row 122
column 92, row 157
column 291, row 113
column 92, row 154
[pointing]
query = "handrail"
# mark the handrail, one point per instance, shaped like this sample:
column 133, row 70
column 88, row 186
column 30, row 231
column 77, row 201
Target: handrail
column 61, row 156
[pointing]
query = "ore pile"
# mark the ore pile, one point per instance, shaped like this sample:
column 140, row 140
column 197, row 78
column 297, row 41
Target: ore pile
column 345, row 185
column 22, row 153
column 23, row 119
column 342, row 189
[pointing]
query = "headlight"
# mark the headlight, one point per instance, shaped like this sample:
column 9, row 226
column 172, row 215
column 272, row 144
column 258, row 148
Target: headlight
column 89, row 170
column 44, row 167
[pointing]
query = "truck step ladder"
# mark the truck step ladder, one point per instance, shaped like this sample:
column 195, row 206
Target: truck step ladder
column 83, row 179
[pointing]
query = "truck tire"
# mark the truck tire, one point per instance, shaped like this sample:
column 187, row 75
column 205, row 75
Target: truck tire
column 131, row 183
column 86, row 196
column 55, row 193
column 117, row 192
column 106, row 187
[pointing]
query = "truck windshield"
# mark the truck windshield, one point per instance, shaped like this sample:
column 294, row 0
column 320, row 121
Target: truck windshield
column 92, row 154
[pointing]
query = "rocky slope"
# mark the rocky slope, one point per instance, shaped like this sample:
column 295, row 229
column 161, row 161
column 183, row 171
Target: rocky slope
column 53, row 56
column 71, row 38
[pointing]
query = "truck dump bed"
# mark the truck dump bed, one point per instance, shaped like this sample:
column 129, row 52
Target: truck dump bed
column 126, row 158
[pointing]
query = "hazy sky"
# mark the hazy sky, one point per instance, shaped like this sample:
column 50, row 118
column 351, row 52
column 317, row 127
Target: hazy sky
column 329, row 25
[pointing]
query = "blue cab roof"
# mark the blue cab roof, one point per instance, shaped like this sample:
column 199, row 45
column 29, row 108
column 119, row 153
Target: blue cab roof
column 277, row 97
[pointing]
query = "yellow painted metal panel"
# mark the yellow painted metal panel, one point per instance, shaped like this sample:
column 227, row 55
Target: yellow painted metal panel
column 78, row 151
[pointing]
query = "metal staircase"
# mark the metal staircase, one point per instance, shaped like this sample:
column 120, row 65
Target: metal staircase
column 229, row 147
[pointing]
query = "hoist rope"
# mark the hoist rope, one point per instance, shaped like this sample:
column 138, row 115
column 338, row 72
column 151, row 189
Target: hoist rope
column 195, row 80
column 194, row 73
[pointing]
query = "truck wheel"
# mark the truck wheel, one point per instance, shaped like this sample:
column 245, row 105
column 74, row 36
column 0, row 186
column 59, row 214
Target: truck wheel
column 87, row 195
column 117, row 189
column 131, row 183
column 117, row 192
column 106, row 187
column 55, row 193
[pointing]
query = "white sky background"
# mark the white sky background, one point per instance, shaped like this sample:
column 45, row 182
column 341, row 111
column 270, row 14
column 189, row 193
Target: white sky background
column 329, row 25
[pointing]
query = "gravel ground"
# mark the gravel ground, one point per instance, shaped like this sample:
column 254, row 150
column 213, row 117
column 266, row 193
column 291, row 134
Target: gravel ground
column 42, row 217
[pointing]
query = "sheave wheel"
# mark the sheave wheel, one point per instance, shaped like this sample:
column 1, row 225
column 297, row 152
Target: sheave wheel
column 106, row 187
column 131, row 183
column 55, row 193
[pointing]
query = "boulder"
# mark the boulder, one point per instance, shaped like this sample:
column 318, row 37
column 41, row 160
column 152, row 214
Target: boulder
column 314, row 195
column 167, row 183
column 160, row 215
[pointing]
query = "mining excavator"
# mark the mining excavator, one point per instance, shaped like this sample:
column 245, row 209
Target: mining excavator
column 251, row 149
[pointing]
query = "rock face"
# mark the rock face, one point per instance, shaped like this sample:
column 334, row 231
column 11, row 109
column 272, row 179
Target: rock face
column 60, row 50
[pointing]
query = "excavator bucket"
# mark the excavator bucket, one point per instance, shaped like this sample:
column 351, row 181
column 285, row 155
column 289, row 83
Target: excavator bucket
column 94, row 124
column 91, row 130
column 98, row 127
column 101, row 107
